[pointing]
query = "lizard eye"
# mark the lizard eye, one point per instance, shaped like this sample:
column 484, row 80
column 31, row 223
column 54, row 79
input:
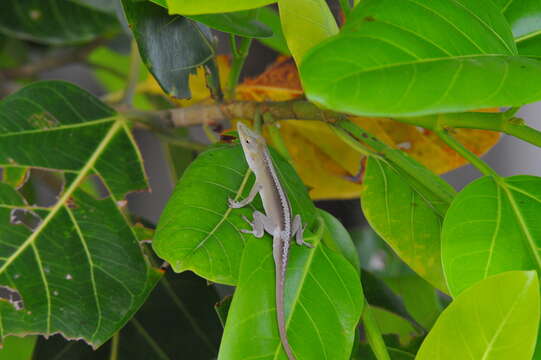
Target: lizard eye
column 247, row 141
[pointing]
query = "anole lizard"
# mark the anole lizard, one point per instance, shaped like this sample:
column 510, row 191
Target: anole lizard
column 278, row 219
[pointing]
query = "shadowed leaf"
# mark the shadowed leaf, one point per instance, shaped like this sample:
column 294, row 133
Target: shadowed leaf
column 55, row 22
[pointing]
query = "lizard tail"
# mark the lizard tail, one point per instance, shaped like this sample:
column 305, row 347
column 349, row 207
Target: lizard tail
column 280, row 276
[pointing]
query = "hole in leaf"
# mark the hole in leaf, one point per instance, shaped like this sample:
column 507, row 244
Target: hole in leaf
column 12, row 296
column 25, row 217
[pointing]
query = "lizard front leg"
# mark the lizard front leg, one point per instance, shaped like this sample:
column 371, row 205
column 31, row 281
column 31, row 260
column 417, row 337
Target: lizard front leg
column 260, row 224
column 238, row 204
column 297, row 230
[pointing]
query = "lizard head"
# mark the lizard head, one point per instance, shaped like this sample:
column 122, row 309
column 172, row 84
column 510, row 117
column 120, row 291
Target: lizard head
column 252, row 143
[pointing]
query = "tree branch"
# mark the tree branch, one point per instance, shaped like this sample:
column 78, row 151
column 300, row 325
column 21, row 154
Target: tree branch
column 305, row 110
column 216, row 113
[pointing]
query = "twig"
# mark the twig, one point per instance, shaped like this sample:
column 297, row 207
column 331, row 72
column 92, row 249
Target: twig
column 113, row 355
column 216, row 113
column 133, row 75
column 55, row 60
column 107, row 68
column 373, row 334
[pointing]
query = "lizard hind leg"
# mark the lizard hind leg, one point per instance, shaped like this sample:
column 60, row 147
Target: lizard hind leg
column 260, row 224
column 298, row 230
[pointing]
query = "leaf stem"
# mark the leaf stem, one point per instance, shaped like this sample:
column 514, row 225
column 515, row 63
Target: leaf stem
column 239, row 58
column 114, row 347
column 133, row 75
column 276, row 137
column 351, row 141
column 373, row 334
column 153, row 344
column 178, row 302
column 405, row 164
column 482, row 166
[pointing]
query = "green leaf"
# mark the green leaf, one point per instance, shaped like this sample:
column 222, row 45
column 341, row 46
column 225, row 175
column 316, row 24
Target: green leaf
column 277, row 41
column 323, row 301
column 175, row 323
column 56, row 22
column 17, row 348
column 13, row 52
column 196, row 7
column 391, row 323
column 171, row 47
column 337, row 238
column 74, row 268
column 523, row 16
column 305, row 23
column 485, row 322
column 420, row 298
column 198, row 231
column 406, row 217
column 15, row 176
column 459, row 55
column 492, row 227
column 243, row 23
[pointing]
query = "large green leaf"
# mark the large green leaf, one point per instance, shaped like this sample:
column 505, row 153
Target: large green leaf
column 172, row 47
column 198, row 231
column 176, row 322
column 53, row 22
column 524, row 16
column 323, row 301
column 407, row 218
column 496, row 318
column 305, row 23
column 74, row 268
column 196, row 7
column 414, row 57
column 492, row 227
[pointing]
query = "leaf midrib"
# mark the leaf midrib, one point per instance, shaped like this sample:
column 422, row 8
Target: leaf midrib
column 422, row 61
column 61, row 127
column 505, row 320
column 85, row 170
column 523, row 226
